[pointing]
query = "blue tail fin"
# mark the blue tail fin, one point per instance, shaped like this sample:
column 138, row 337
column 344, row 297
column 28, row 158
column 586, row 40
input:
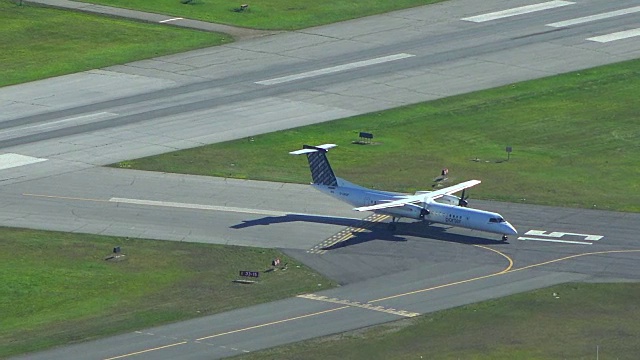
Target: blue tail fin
column 321, row 171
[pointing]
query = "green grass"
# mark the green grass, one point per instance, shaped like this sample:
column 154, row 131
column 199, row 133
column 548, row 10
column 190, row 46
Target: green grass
column 533, row 325
column 575, row 139
column 39, row 42
column 269, row 14
column 57, row 288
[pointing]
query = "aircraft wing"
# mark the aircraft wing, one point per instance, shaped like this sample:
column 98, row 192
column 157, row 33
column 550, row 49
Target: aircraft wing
column 452, row 189
column 395, row 203
column 421, row 197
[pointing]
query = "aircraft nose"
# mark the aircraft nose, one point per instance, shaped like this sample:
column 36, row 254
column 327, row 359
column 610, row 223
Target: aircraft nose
column 510, row 230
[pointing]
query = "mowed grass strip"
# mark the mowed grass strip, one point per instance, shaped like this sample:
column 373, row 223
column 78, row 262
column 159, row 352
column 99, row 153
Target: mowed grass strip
column 579, row 321
column 40, row 42
column 268, row 14
column 57, row 288
column 575, row 141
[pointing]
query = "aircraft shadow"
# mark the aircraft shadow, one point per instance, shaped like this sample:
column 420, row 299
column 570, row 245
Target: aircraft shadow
column 375, row 230
column 319, row 219
column 380, row 231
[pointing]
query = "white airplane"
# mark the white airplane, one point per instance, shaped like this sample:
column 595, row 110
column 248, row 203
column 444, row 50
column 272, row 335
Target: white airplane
column 439, row 206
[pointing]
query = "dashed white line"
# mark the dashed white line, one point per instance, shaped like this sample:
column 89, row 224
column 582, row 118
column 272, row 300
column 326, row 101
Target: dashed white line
column 595, row 17
column 334, row 69
column 58, row 124
column 518, row 11
column 616, row 36
column 168, row 20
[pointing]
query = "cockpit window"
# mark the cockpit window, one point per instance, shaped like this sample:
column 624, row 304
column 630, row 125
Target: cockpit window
column 496, row 220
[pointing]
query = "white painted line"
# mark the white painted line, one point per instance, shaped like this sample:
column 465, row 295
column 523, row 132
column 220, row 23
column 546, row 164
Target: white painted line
column 196, row 206
column 596, row 17
column 11, row 160
column 559, row 234
column 335, row 69
column 518, row 11
column 172, row 19
column 616, row 36
column 59, row 124
column 218, row 208
column 556, row 241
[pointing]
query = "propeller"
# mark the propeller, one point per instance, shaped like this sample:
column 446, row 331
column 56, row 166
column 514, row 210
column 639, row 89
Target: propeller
column 463, row 200
column 424, row 212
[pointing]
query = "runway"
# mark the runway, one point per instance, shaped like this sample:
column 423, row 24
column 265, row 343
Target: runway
column 303, row 77
column 55, row 132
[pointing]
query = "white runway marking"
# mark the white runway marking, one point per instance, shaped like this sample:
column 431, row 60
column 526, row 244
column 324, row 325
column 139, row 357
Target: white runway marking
column 518, row 11
column 334, row 69
column 616, row 36
column 173, row 19
column 11, row 160
column 595, row 17
column 555, row 236
column 559, row 234
column 554, row 240
column 59, row 124
column 219, row 208
column 197, row 206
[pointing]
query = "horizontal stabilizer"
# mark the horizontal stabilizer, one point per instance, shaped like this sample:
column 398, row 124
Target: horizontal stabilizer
column 310, row 149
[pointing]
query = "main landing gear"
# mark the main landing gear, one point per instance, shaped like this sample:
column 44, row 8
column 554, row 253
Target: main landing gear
column 504, row 238
column 392, row 224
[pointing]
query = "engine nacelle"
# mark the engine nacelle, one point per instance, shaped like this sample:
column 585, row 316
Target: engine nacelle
column 449, row 200
column 407, row 211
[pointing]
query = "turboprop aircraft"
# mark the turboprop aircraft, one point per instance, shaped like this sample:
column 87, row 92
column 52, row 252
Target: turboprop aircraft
column 439, row 206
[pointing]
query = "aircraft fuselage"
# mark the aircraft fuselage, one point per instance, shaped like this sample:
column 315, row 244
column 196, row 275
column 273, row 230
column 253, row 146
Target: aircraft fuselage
column 437, row 212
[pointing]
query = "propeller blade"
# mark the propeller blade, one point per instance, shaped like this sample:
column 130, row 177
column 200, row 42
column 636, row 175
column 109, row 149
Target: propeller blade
column 463, row 200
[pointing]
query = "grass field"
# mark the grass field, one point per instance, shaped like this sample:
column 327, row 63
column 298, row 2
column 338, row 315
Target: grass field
column 57, row 288
column 39, row 42
column 268, row 14
column 534, row 325
column 575, row 140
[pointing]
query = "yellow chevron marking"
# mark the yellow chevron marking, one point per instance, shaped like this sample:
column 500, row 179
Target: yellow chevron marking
column 347, row 233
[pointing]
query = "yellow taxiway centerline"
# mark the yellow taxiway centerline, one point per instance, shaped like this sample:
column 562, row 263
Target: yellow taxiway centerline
column 272, row 323
column 145, row 351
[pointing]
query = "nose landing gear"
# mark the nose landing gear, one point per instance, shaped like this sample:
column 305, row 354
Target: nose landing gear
column 504, row 238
